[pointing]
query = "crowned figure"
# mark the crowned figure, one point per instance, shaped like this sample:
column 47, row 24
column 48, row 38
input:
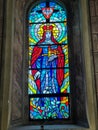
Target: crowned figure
column 47, row 63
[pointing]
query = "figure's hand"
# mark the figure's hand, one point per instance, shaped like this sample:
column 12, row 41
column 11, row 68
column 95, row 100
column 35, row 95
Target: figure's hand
column 37, row 75
column 51, row 58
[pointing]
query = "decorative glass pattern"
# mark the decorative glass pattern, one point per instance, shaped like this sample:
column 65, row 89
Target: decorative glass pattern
column 49, row 108
column 48, row 71
column 47, row 10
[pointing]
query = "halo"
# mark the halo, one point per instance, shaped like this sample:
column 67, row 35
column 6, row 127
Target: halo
column 59, row 30
column 55, row 31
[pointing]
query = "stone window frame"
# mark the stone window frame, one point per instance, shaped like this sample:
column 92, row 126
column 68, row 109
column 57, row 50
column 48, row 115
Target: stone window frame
column 89, row 72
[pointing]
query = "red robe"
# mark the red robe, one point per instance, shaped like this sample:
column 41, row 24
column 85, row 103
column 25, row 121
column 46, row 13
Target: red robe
column 60, row 64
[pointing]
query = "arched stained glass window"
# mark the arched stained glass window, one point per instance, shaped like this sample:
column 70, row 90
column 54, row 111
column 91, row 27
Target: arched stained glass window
column 48, row 71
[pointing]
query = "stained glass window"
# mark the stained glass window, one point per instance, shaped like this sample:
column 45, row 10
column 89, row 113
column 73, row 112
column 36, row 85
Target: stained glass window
column 48, row 70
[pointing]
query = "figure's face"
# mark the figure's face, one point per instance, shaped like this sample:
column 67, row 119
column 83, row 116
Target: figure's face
column 48, row 35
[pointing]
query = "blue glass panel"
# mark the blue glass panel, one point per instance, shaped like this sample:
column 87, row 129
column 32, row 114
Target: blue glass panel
column 49, row 108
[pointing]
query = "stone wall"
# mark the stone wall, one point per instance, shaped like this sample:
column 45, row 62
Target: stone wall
column 1, row 26
column 94, row 32
column 17, row 86
column 1, row 49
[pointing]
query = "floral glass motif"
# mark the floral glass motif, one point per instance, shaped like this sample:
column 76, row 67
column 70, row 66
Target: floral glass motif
column 48, row 71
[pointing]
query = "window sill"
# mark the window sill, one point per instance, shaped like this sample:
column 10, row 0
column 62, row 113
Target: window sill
column 49, row 127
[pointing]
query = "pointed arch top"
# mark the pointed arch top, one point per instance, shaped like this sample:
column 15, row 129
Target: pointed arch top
column 47, row 12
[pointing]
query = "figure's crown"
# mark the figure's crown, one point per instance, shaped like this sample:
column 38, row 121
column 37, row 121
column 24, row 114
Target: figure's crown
column 47, row 27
